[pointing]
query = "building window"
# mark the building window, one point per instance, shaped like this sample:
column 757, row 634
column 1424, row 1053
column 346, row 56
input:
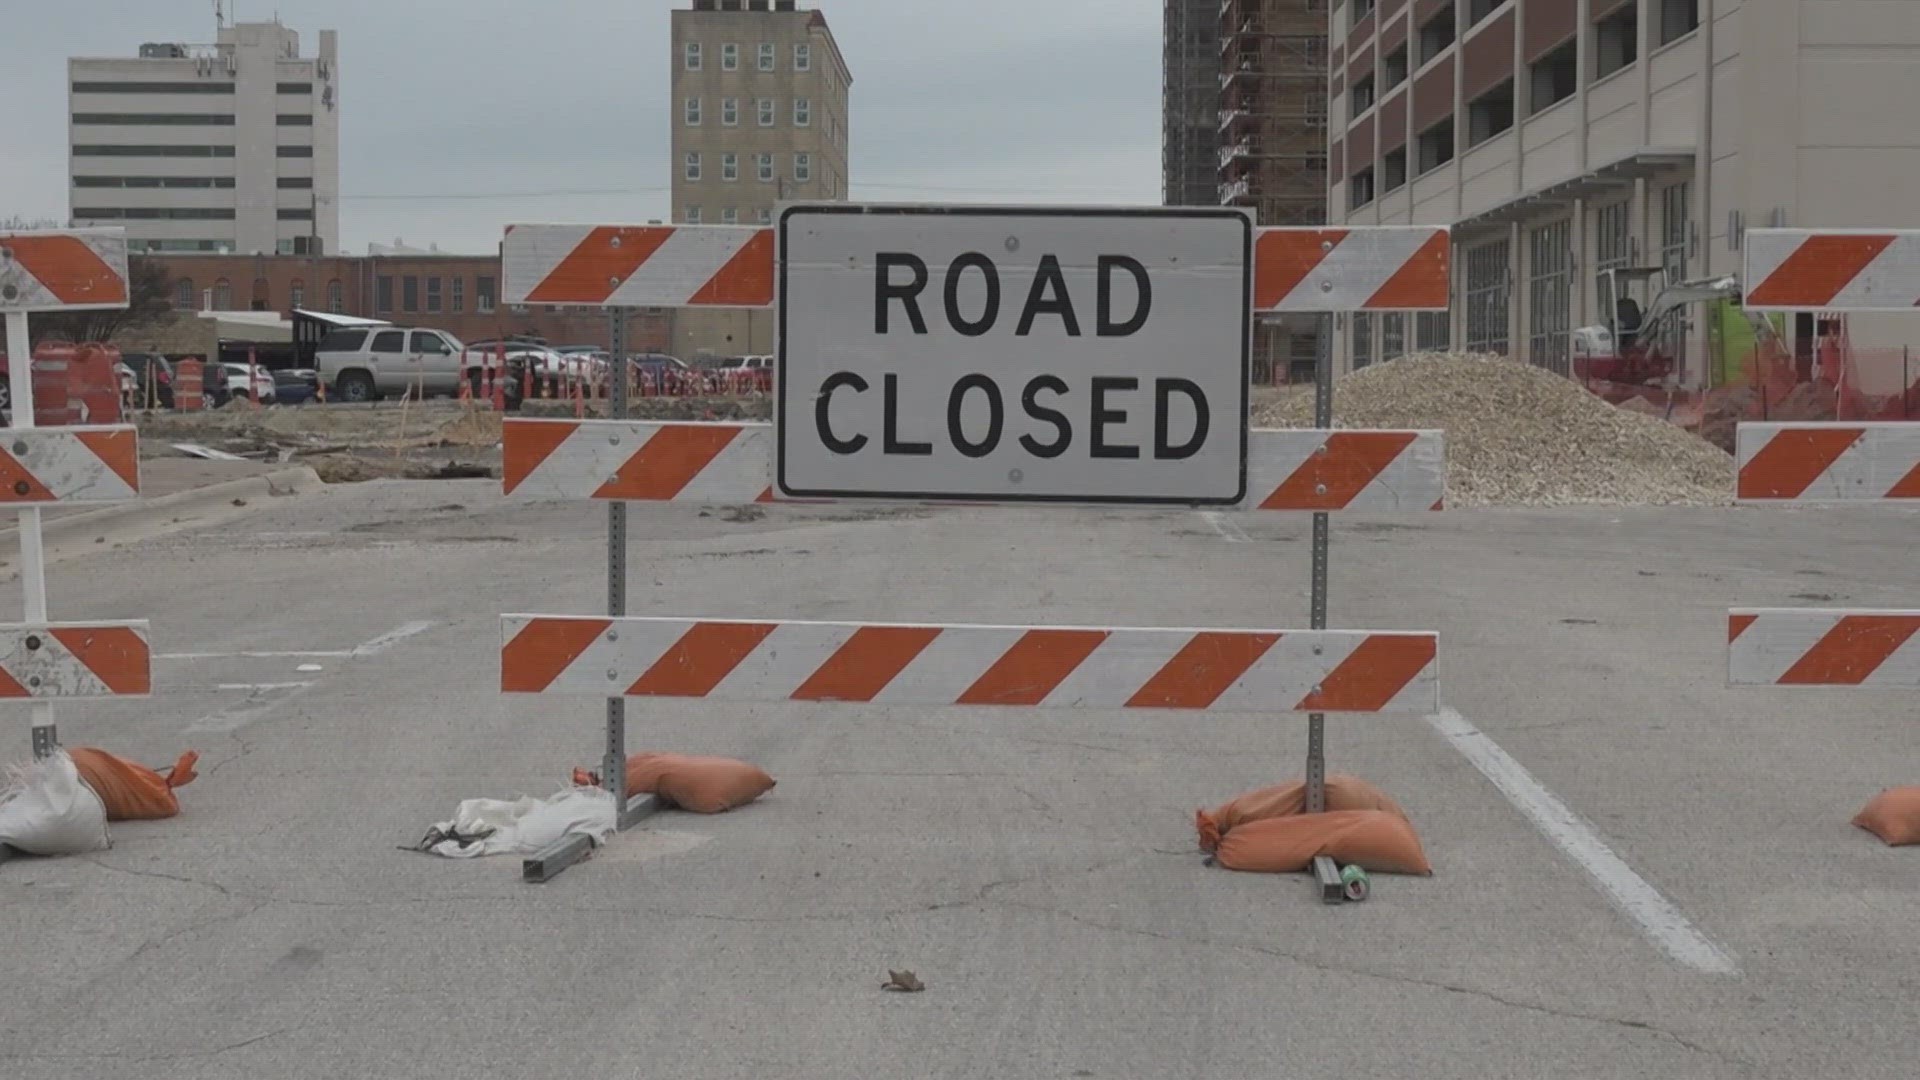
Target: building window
column 183, row 299
column 296, row 295
column 1436, row 146
column 457, row 295
column 294, row 119
column 295, row 213
column 1360, row 96
column 1480, row 9
column 433, row 296
column 729, row 57
column 766, row 216
column 1393, row 69
column 286, row 152
column 223, row 295
column 153, row 88
column 336, row 297
column 1362, row 341
column 1490, row 114
column 92, row 150
column 803, row 58
column 764, row 162
column 693, row 166
column 802, row 112
column 767, row 106
column 1678, row 18
column 409, row 293
column 262, row 295
column 483, row 295
column 1432, row 330
column 1676, row 227
column 1612, row 250
column 1360, row 189
column 383, row 294
column 729, row 112
column 693, row 112
column 1554, row 77
column 1616, row 41
column 1361, row 9
column 693, row 215
column 693, row 56
column 729, row 167
column 1394, row 166
column 766, row 56
column 729, row 216
column 1550, row 296
column 285, row 183
column 1487, row 298
column 803, row 167
column 1436, row 34
column 156, row 119
column 1393, row 336
column 302, row 88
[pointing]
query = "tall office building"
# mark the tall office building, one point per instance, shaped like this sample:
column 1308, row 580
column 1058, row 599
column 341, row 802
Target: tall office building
column 759, row 113
column 1190, row 102
column 228, row 147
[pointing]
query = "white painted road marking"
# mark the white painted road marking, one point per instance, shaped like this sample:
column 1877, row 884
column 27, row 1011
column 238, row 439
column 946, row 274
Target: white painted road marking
column 391, row 638
column 263, row 698
column 371, row 647
column 257, row 686
column 1225, row 526
column 1658, row 918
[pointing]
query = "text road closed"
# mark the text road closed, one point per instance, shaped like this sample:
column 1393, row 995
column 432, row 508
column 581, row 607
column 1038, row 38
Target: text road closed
column 1013, row 354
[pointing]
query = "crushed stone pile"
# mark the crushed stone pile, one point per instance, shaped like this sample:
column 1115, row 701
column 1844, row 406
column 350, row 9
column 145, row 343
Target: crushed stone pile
column 1518, row 435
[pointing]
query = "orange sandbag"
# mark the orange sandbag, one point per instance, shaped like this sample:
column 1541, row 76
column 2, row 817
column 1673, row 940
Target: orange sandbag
column 704, row 785
column 1381, row 842
column 1286, row 800
column 133, row 792
column 1893, row 816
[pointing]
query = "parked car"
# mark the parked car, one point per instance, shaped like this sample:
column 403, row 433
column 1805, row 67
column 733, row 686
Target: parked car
column 146, row 381
column 292, row 386
column 658, row 373
column 364, row 364
column 262, row 388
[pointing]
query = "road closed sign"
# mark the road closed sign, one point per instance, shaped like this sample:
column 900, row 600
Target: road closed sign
column 1014, row 354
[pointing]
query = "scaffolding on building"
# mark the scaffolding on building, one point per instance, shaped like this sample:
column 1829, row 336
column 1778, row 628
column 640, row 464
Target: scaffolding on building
column 1190, row 101
column 1272, row 133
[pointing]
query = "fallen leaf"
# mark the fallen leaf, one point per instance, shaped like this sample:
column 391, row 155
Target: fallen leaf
column 904, row 981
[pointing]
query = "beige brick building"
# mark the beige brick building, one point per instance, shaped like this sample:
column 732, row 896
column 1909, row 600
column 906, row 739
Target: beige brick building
column 759, row 113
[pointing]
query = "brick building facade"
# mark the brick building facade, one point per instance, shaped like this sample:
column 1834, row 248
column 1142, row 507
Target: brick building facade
column 455, row 293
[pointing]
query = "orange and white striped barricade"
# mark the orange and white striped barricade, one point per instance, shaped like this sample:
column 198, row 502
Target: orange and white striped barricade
column 1208, row 270
column 1828, row 464
column 62, row 270
column 52, row 382
column 933, row 665
column 93, row 384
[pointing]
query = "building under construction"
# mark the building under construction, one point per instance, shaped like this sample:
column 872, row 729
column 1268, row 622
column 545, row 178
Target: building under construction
column 1269, row 132
column 1190, row 103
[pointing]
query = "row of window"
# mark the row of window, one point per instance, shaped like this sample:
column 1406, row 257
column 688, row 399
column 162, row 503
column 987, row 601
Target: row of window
column 187, row 298
column 695, row 57
column 95, row 150
column 182, row 119
column 179, row 213
column 454, row 294
column 179, row 88
column 286, row 183
column 763, row 167
column 728, row 216
column 768, row 110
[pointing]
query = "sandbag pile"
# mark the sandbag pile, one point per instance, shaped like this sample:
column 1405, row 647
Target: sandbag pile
column 47, row 809
column 133, row 792
column 1268, row 830
column 703, row 785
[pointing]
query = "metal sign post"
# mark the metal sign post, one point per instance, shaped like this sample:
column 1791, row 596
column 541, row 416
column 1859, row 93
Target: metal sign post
column 33, row 567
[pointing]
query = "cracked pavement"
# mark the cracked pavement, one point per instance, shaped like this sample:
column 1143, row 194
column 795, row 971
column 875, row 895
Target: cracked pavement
column 1037, row 868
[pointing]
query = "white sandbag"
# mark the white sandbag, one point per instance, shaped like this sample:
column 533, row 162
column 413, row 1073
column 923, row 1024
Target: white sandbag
column 498, row 827
column 46, row 809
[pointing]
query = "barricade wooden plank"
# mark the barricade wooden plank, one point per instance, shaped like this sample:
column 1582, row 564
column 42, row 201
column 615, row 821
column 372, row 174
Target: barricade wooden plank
column 75, row 660
column 1811, row 463
column 1823, row 647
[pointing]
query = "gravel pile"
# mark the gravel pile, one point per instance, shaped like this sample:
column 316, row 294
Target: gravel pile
column 1518, row 435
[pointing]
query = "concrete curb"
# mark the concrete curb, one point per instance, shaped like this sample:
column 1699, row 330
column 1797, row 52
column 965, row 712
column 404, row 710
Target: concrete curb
column 299, row 480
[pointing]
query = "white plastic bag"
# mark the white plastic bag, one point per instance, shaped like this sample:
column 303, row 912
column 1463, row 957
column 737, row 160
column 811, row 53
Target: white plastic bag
column 46, row 809
column 497, row 827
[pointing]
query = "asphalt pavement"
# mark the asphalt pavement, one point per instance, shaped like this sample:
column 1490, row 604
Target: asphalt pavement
column 1036, row 869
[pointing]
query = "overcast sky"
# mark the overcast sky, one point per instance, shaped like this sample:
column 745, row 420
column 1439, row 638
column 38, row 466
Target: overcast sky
column 461, row 115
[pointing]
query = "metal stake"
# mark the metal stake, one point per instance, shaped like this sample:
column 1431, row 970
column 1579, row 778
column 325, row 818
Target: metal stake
column 33, row 566
column 1322, row 418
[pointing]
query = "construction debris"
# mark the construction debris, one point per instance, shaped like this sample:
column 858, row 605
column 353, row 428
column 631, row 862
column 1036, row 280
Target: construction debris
column 1519, row 435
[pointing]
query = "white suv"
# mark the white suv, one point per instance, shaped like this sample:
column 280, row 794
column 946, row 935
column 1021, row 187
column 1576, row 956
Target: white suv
column 361, row 364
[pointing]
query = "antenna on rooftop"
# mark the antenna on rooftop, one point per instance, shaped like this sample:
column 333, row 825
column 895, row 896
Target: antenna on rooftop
column 219, row 15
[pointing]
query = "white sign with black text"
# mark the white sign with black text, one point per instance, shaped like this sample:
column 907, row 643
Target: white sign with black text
column 1014, row 354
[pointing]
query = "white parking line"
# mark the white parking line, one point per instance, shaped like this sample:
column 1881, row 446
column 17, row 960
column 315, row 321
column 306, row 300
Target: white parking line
column 265, row 697
column 391, row 638
column 371, row 647
column 1658, row 919
column 1225, row 526
column 256, row 686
